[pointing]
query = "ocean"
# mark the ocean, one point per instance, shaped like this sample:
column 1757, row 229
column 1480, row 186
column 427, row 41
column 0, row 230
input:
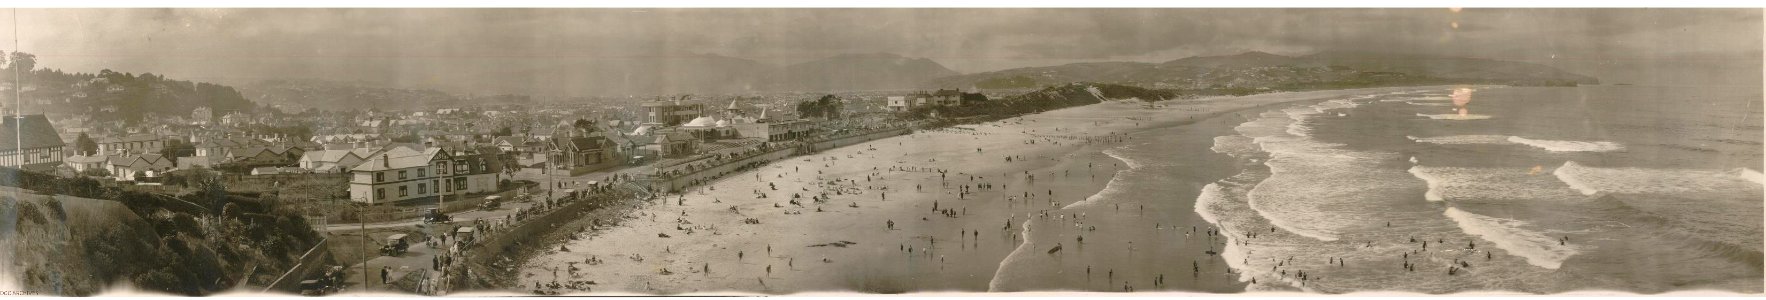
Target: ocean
column 1539, row 190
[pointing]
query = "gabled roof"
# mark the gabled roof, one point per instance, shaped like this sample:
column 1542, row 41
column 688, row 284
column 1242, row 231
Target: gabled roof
column 37, row 132
column 399, row 158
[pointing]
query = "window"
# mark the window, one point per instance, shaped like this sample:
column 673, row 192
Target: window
column 460, row 184
column 421, row 172
column 379, row 193
column 401, row 175
column 422, row 188
column 404, row 191
column 379, row 176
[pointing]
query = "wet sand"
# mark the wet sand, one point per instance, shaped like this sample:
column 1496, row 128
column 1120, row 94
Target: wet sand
column 942, row 239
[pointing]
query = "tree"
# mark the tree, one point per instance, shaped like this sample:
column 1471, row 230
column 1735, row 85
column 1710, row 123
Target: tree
column 25, row 61
column 85, row 144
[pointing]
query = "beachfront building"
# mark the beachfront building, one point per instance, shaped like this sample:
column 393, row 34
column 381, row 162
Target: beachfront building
column 776, row 130
column 30, row 142
column 401, row 173
column 580, row 153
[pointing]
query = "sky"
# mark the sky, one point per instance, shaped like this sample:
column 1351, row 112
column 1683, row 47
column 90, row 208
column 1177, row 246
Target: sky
column 409, row 47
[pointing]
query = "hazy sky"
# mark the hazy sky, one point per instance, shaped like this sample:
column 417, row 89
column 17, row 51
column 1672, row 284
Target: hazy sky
column 401, row 46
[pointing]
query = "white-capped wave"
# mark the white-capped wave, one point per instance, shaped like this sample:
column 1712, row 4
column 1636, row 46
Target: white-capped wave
column 1434, row 183
column 1750, row 175
column 1314, row 188
column 1509, row 235
column 1455, row 116
column 1237, row 146
column 1592, row 180
column 1568, row 146
column 1455, row 183
column 1548, row 145
column 1462, row 139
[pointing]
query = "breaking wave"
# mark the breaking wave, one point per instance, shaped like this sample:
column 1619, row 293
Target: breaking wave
column 1508, row 235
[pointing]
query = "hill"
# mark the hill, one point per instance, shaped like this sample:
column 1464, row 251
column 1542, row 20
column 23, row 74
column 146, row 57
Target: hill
column 857, row 72
column 75, row 237
column 113, row 95
column 1258, row 70
column 300, row 94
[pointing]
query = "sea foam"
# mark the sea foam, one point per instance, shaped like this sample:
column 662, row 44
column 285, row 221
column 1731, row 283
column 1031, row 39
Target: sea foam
column 1567, row 146
column 1508, row 234
column 1548, row 145
column 1592, row 180
column 1455, row 117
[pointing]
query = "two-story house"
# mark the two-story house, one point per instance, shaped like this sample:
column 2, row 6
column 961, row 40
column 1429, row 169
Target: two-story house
column 405, row 173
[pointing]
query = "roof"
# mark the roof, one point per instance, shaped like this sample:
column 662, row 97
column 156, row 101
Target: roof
column 145, row 137
column 330, row 155
column 37, row 132
column 398, row 158
column 701, row 122
column 87, row 159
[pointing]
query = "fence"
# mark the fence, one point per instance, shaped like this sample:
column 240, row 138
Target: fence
column 683, row 177
column 451, row 204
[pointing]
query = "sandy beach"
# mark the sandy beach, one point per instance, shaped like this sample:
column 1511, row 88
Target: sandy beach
column 1000, row 206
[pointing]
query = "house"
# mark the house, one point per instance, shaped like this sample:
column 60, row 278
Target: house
column 899, row 104
column 624, row 146
column 673, row 143
column 139, row 167
column 85, row 163
column 131, row 144
column 947, row 98
column 202, row 115
column 333, row 161
column 402, row 173
column 30, row 142
column 476, row 170
column 223, row 147
column 277, row 155
column 577, row 150
column 511, row 144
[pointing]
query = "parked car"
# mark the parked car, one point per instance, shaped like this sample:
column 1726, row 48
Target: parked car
column 434, row 215
column 395, row 245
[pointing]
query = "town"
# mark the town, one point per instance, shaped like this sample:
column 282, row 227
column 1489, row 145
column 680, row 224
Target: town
column 401, row 194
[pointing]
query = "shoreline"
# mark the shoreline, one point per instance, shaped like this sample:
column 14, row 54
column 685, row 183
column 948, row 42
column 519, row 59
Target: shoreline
column 1170, row 115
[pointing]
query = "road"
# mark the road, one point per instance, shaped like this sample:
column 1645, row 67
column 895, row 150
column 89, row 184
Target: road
column 419, row 257
column 509, row 208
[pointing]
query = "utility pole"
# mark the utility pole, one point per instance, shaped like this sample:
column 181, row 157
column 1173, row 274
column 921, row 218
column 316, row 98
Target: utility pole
column 364, row 221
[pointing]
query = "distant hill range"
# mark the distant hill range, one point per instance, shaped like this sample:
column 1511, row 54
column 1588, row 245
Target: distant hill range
column 850, row 72
column 693, row 73
column 294, row 95
column 1264, row 70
